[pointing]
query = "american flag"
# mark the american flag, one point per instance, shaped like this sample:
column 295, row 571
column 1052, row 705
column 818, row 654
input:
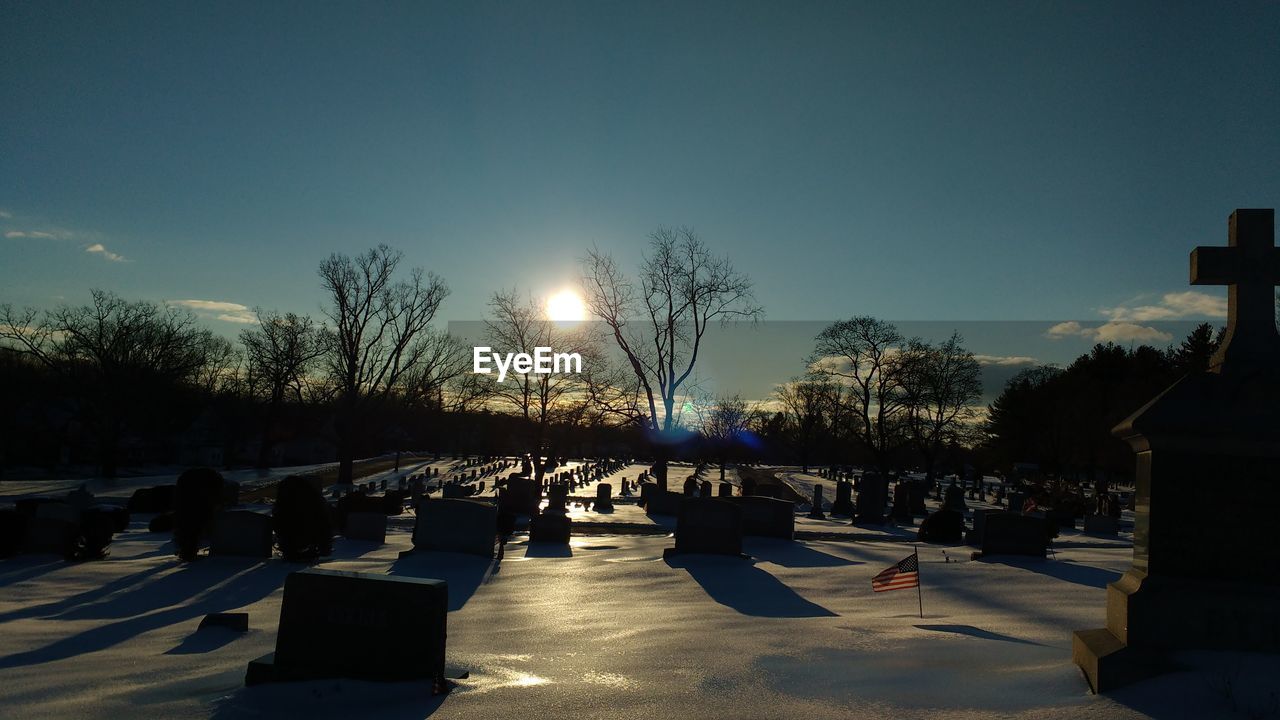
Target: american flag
column 906, row 574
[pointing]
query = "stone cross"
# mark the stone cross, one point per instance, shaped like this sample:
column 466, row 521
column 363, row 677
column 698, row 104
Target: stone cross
column 1250, row 268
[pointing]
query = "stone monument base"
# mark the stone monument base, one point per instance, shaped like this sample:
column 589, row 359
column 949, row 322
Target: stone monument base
column 1205, row 614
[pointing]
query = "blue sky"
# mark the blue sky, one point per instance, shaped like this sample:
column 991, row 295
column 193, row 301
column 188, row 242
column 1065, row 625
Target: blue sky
column 913, row 161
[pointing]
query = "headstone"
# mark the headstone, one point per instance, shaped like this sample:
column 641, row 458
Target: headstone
column 463, row 526
column 521, row 496
column 943, row 526
column 302, row 520
column 157, row 499
column 724, row 490
column 235, row 621
column 366, row 526
column 661, row 502
column 369, row 626
column 842, row 506
column 708, row 525
column 1007, row 533
column 918, row 491
column 815, row 509
column 241, row 533
column 13, row 528
column 604, row 499
column 196, row 501
column 901, row 513
column 704, row 490
column 766, row 517
column 551, row 527
column 955, row 498
column 873, row 494
column 691, row 486
column 1101, row 525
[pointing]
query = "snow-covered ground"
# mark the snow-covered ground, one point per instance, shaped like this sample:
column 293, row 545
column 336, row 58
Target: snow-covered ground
column 604, row 629
column 607, row 628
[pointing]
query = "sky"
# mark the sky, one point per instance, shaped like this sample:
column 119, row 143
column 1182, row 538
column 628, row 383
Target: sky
column 915, row 161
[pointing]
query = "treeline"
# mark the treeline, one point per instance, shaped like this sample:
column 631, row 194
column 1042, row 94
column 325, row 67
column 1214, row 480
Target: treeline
column 1060, row 419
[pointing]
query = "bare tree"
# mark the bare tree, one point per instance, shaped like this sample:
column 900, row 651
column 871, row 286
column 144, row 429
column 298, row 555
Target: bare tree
column 377, row 324
column 941, row 383
column 809, row 403
column 866, row 355
column 541, row 399
column 659, row 319
column 121, row 357
column 280, row 353
column 442, row 380
column 723, row 425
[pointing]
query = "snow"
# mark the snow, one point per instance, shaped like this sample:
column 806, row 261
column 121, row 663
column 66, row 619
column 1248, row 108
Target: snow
column 606, row 629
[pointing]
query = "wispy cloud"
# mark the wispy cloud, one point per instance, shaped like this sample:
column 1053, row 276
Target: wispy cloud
column 39, row 234
column 1172, row 306
column 5, row 215
column 1004, row 360
column 219, row 310
column 99, row 249
column 1114, row 331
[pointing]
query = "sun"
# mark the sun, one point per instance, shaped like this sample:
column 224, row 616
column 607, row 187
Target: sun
column 566, row 306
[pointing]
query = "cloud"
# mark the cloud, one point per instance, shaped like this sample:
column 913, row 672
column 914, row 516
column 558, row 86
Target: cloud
column 242, row 318
column 5, row 215
column 219, row 310
column 99, row 249
column 30, row 234
column 1172, row 306
column 1004, row 360
column 1114, row 331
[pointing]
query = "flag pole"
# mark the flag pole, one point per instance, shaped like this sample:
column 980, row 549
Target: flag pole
column 919, row 592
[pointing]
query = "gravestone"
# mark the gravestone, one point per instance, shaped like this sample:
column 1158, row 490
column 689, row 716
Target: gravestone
column 843, row 505
column 815, row 509
column 766, row 517
column 241, row 533
column 158, row 499
column 302, row 520
column 955, row 498
column 1101, row 525
column 13, row 527
column 724, row 490
column 521, row 496
column 366, row 526
column 1006, row 533
column 462, row 526
column 51, row 528
column 604, row 498
column 873, row 493
column 918, row 492
column 708, row 526
column 1189, row 589
column 901, row 512
column 551, row 527
column 663, row 502
column 704, row 490
column 691, row 486
column 943, row 526
column 196, row 502
column 369, row 626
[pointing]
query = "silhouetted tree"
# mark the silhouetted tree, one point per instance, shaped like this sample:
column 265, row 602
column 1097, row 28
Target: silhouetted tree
column 120, row 359
column 659, row 319
column 941, row 383
column 866, row 355
column 377, row 324
column 280, row 353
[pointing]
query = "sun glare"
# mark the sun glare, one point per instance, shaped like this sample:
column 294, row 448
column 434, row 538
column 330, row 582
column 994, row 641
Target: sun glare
column 566, row 306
